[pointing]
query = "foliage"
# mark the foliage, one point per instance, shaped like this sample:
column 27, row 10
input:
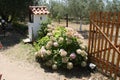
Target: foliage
column 62, row 48
column 57, row 9
column 15, row 8
column 41, row 42
column 43, row 28
column 20, row 27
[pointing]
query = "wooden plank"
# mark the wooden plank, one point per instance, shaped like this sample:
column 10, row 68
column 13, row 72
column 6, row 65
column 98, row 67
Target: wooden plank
column 110, row 22
column 116, row 40
column 112, row 32
column 99, row 40
column 92, row 37
column 106, row 42
column 95, row 37
column 117, row 46
column 117, row 66
column 102, row 42
column 109, row 51
column 89, row 38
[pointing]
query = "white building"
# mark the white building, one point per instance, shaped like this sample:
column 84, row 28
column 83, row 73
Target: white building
column 37, row 14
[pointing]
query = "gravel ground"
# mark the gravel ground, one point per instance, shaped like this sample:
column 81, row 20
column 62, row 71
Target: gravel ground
column 17, row 62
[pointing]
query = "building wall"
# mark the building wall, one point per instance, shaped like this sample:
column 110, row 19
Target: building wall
column 35, row 26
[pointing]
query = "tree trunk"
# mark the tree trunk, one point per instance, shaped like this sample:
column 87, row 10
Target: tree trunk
column 80, row 25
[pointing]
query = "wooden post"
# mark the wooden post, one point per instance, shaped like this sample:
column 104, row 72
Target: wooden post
column 66, row 20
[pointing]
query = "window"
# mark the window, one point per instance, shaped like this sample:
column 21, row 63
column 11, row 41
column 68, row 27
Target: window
column 40, row 18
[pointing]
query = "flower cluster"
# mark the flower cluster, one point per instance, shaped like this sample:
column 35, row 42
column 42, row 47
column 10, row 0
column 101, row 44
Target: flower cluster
column 64, row 48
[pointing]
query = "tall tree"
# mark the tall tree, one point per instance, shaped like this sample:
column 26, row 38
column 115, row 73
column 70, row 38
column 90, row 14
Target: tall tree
column 78, row 9
column 15, row 8
column 57, row 9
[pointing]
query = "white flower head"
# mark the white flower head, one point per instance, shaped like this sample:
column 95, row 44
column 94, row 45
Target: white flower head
column 54, row 66
column 61, row 39
column 83, row 64
column 65, row 60
column 49, row 34
column 49, row 26
column 52, row 38
column 49, row 30
column 50, row 43
column 63, row 53
column 79, row 41
column 82, row 46
column 69, row 65
column 83, row 53
column 48, row 52
column 43, row 50
column 85, row 58
column 78, row 51
column 37, row 54
column 72, row 55
column 55, row 44
column 48, row 46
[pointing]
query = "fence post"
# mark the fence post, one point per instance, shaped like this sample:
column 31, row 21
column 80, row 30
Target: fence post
column 66, row 20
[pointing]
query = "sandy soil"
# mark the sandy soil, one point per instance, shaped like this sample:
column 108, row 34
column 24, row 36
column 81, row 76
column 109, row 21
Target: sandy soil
column 17, row 63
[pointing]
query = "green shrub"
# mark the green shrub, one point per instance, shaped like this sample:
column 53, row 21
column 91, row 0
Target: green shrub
column 62, row 48
column 41, row 42
column 43, row 28
column 20, row 27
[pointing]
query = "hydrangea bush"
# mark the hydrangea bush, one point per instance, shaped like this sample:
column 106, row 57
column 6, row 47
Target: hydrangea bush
column 62, row 47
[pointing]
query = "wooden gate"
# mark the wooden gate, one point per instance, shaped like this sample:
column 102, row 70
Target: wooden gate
column 104, row 42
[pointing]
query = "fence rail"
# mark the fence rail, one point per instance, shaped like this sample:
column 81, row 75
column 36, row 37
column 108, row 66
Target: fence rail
column 104, row 42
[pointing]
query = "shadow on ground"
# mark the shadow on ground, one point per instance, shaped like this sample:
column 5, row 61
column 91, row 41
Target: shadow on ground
column 84, row 33
column 76, row 72
column 11, row 38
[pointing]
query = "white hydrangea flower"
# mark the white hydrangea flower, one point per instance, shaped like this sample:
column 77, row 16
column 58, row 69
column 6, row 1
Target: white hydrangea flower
column 83, row 64
column 49, row 30
column 79, row 41
column 83, row 46
column 55, row 44
column 65, row 60
column 43, row 50
column 52, row 38
column 37, row 54
column 83, row 53
column 48, row 52
column 85, row 58
column 49, row 26
column 61, row 39
column 78, row 51
column 72, row 55
column 69, row 65
column 63, row 53
column 49, row 34
column 54, row 66
column 49, row 45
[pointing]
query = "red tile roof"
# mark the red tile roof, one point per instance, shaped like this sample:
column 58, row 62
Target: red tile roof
column 39, row 10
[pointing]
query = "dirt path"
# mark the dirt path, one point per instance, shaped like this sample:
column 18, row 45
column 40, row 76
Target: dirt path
column 15, row 71
column 17, row 63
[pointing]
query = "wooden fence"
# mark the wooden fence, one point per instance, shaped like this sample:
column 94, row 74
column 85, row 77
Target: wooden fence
column 104, row 42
